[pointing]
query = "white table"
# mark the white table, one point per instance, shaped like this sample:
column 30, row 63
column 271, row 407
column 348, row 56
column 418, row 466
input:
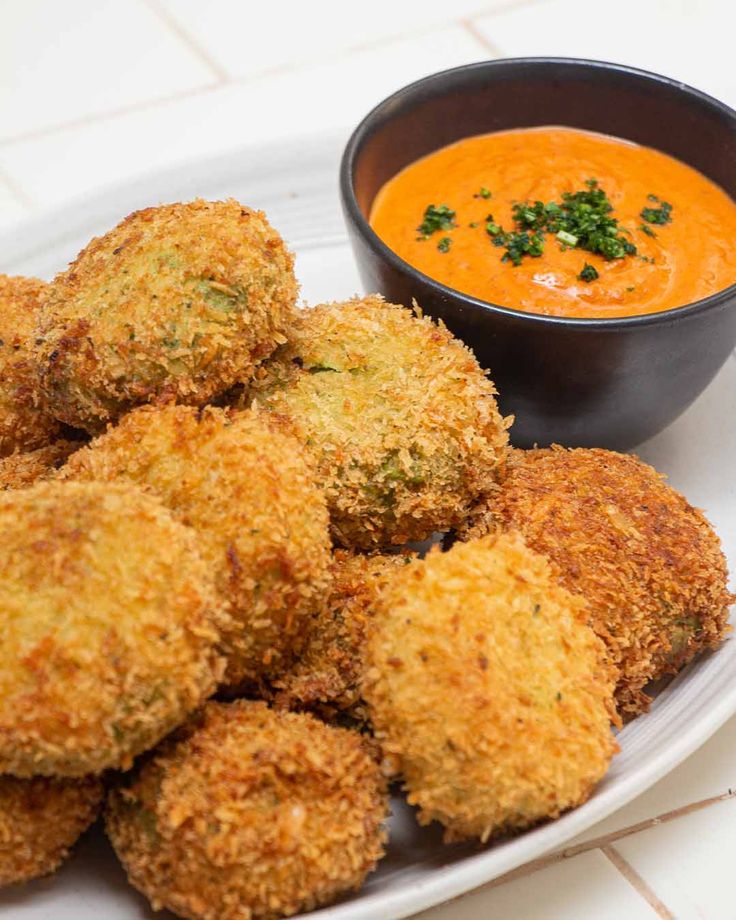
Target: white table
column 94, row 91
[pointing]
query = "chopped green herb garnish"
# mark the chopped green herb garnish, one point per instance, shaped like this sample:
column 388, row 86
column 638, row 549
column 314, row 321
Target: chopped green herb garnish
column 444, row 244
column 647, row 230
column 567, row 238
column 520, row 244
column 492, row 229
column 649, row 259
column 436, row 218
column 473, row 224
column 588, row 273
column 661, row 215
column 581, row 220
column 483, row 193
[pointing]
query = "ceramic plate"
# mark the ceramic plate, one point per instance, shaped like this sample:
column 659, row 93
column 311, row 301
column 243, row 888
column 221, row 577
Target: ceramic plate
column 296, row 184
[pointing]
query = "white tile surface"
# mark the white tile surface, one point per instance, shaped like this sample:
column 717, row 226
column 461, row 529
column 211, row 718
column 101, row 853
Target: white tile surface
column 11, row 208
column 587, row 886
column 689, row 865
column 680, row 38
column 315, row 99
column 60, row 62
column 248, row 42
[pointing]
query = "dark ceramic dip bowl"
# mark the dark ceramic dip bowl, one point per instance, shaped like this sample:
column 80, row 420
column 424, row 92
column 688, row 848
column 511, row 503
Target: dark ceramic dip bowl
column 580, row 382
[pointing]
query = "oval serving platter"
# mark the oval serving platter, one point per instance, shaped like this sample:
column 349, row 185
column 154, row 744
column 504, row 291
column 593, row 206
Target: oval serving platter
column 296, row 184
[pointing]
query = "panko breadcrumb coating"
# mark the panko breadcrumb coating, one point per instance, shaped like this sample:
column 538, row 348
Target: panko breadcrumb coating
column 109, row 627
column 488, row 688
column 649, row 564
column 248, row 490
column 25, row 420
column 40, row 820
column 401, row 419
column 255, row 815
column 329, row 672
column 181, row 300
column 20, row 470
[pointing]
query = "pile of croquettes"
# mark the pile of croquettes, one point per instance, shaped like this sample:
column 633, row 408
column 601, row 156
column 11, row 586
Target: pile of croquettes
column 222, row 631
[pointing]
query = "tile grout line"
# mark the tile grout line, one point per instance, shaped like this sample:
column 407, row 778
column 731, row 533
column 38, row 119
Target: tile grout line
column 229, row 82
column 185, row 37
column 471, row 27
column 16, row 190
column 598, row 843
column 624, row 867
column 110, row 115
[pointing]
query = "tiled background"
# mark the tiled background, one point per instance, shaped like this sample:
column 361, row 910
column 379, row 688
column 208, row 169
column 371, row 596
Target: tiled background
column 95, row 91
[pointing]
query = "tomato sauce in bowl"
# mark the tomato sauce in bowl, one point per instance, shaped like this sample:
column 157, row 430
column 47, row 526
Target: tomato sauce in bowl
column 610, row 228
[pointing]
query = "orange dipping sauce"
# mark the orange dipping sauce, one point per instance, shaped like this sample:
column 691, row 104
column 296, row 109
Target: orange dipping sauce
column 689, row 257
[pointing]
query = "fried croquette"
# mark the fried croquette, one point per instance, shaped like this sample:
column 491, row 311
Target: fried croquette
column 25, row 420
column 181, row 300
column 20, row 470
column 649, row 564
column 109, row 627
column 40, row 820
column 254, row 815
column 329, row 672
column 401, row 419
column 248, row 490
column 488, row 689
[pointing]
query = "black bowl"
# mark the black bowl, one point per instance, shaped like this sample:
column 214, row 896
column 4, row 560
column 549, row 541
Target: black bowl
column 596, row 382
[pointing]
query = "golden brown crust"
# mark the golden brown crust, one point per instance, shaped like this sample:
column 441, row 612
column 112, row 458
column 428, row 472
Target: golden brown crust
column 488, row 688
column 255, row 815
column 21, row 470
column 401, row 419
column 25, row 420
column 649, row 564
column 181, row 300
column 40, row 820
column 329, row 672
column 109, row 627
column 248, row 490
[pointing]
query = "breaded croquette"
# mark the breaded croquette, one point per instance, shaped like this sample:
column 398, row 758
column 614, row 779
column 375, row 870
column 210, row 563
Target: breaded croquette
column 25, row 420
column 109, row 627
column 248, row 490
column 40, row 820
column 329, row 672
column 21, row 470
column 488, row 688
column 254, row 815
column 401, row 419
column 649, row 564
column 181, row 301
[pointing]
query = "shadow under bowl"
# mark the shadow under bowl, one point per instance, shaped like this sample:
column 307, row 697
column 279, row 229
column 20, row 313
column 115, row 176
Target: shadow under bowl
column 580, row 382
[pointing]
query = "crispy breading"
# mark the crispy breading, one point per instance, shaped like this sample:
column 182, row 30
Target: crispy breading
column 181, row 300
column 649, row 564
column 255, row 815
column 20, row 470
column 401, row 419
column 40, row 820
column 109, row 627
column 329, row 672
column 248, row 489
column 488, row 688
column 25, row 419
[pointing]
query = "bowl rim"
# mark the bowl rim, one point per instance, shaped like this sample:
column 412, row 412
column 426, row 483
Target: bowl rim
column 353, row 212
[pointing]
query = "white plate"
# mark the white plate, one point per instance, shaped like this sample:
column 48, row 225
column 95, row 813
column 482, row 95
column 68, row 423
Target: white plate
column 296, row 184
